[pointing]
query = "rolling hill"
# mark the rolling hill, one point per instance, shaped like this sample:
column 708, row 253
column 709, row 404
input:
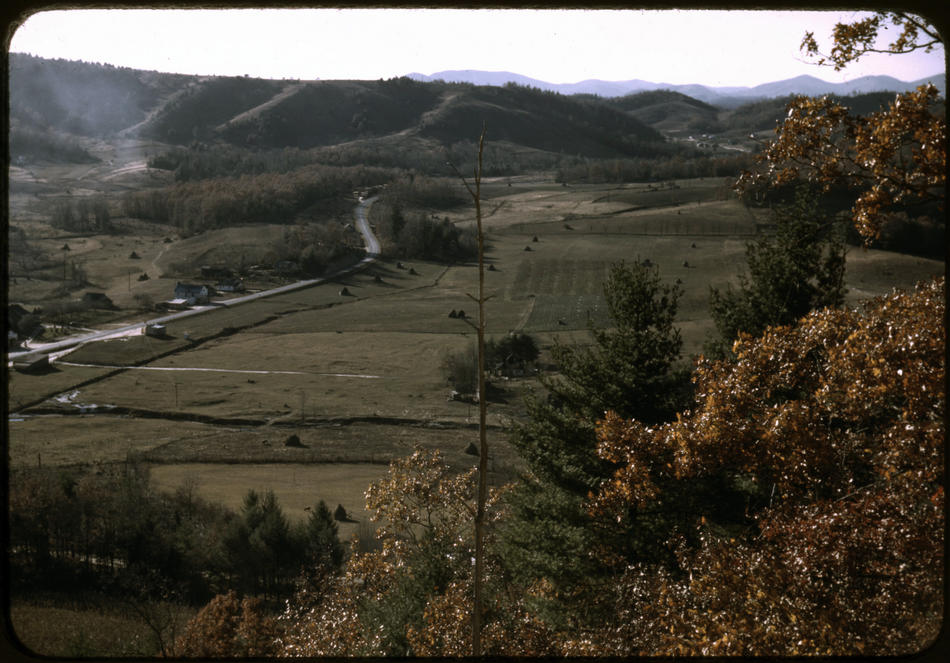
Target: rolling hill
column 65, row 100
column 259, row 113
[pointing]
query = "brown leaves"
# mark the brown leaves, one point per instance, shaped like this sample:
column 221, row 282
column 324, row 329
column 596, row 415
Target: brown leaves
column 802, row 402
column 421, row 493
column 891, row 157
column 894, row 156
column 844, row 414
column 854, row 40
column 229, row 628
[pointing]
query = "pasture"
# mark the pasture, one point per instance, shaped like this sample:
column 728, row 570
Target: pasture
column 358, row 376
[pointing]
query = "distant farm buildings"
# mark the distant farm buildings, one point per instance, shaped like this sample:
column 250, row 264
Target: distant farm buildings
column 210, row 272
column 286, row 267
column 32, row 364
column 156, row 331
column 190, row 294
column 231, row 284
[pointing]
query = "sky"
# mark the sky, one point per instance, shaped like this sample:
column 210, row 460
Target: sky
column 714, row 48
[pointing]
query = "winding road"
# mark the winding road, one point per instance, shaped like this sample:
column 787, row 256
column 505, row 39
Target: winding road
column 371, row 245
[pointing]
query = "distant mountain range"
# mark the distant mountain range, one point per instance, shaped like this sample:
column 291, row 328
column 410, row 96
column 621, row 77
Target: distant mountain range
column 720, row 96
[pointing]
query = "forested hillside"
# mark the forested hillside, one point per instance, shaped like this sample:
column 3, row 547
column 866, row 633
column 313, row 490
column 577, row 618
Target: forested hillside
column 48, row 94
column 268, row 114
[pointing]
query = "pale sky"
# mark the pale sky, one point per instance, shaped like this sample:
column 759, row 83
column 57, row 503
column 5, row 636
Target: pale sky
column 715, row 48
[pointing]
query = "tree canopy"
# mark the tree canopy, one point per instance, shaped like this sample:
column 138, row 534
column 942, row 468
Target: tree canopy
column 835, row 428
column 794, row 268
column 891, row 159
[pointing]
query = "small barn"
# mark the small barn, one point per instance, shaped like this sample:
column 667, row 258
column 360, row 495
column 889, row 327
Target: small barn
column 32, row 364
column 177, row 304
column 229, row 285
column 156, row 331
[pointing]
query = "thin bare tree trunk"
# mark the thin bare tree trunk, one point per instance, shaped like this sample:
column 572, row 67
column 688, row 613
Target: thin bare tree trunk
column 482, row 404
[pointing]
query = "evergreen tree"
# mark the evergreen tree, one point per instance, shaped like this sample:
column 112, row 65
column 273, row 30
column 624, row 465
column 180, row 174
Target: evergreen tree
column 795, row 269
column 263, row 551
column 631, row 367
column 322, row 537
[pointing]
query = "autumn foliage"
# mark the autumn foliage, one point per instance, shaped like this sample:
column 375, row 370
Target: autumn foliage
column 413, row 597
column 893, row 157
column 890, row 159
column 229, row 628
column 835, row 429
column 853, row 41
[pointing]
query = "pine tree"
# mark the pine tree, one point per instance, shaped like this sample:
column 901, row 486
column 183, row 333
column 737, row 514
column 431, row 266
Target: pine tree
column 631, row 367
column 323, row 541
column 795, row 269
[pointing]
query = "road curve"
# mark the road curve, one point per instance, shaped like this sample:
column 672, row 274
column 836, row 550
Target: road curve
column 371, row 245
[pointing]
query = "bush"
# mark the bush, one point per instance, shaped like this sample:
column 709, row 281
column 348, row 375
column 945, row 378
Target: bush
column 461, row 369
column 512, row 351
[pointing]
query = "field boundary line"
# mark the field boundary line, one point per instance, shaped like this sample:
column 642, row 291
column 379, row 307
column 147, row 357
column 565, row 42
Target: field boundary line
column 310, row 422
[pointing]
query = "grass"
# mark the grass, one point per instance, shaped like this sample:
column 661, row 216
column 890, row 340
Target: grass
column 83, row 631
column 315, row 341
column 25, row 388
column 89, row 439
column 297, row 486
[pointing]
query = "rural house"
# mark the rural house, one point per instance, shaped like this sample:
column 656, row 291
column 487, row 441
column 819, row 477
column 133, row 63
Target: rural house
column 193, row 293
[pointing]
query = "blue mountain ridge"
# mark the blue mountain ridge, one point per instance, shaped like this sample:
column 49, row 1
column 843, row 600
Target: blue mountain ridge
column 805, row 84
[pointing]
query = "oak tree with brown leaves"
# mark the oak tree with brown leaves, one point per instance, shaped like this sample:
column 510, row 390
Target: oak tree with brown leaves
column 891, row 159
column 413, row 597
column 835, row 426
column 229, row 627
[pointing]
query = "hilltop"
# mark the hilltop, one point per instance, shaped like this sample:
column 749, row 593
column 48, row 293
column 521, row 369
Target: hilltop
column 262, row 113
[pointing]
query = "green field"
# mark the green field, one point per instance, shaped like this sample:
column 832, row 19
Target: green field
column 358, row 377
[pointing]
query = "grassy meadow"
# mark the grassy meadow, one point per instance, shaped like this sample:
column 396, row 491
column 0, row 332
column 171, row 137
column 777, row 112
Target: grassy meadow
column 357, row 376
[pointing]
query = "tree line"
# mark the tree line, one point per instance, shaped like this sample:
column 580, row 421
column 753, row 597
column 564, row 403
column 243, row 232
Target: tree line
column 406, row 232
column 110, row 530
column 651, row 169
column 196, row 206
